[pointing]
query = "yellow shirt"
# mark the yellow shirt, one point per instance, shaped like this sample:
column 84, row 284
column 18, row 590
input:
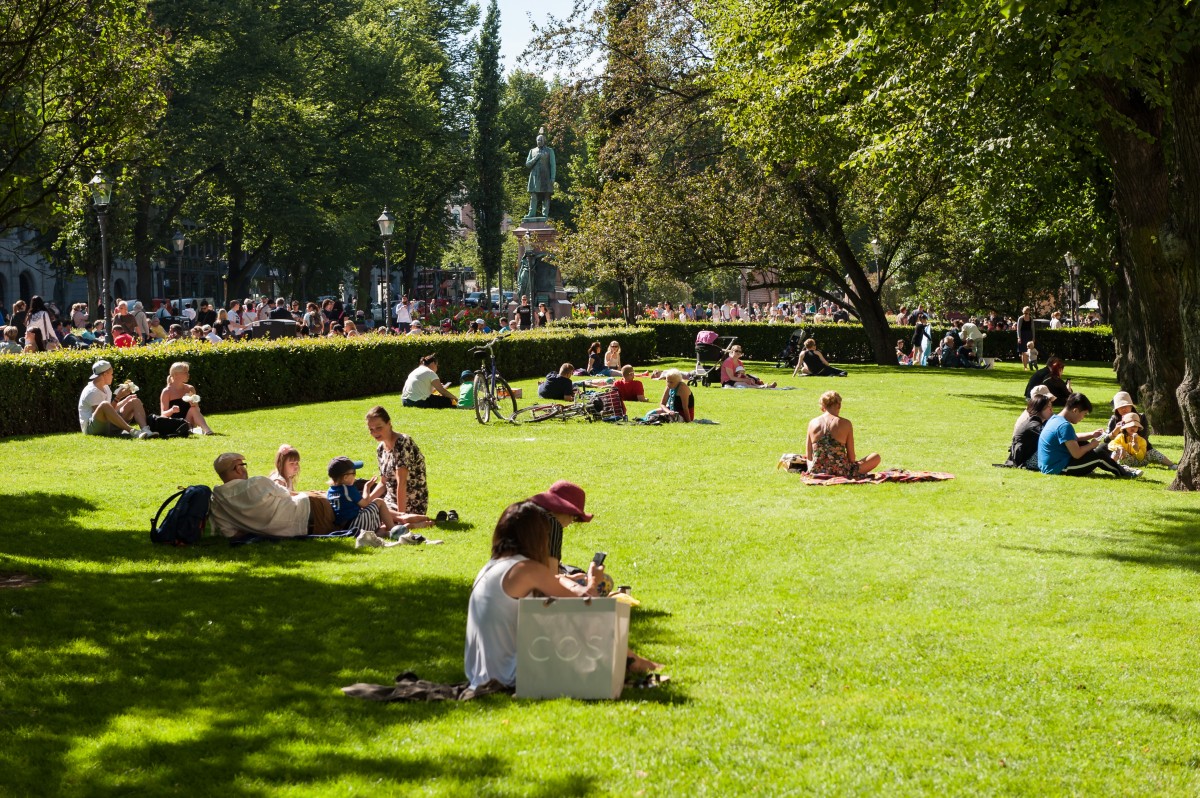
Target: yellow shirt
column 1135, row 448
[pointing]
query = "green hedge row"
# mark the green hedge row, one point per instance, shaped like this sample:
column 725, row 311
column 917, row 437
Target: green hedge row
column 580, row 324
column 40, row 392
column 847, row 343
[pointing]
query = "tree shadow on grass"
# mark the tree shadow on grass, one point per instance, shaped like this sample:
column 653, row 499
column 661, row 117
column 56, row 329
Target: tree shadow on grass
column 1172, row 540
column 1013, row 402
column 147, row 669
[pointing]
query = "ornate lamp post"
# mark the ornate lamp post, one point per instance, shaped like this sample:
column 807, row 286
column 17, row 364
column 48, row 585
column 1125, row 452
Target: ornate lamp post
column 1073, row 277
column 177, row 241
column 387, row 224
column 101, row 197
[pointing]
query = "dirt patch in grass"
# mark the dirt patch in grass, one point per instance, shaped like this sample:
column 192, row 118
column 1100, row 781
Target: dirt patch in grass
column 16, row 579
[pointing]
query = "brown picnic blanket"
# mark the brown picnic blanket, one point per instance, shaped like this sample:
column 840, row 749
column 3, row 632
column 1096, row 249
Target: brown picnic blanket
column 895, row 475
column 410, row 687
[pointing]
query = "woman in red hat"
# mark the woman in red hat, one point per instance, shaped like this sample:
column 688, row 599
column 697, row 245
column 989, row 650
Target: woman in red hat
column 519, row 567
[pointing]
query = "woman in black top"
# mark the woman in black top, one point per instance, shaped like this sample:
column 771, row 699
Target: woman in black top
column 595, row 364
column 922, row 340
column 1025, row 334
column 814, row 364
column 1023, row 451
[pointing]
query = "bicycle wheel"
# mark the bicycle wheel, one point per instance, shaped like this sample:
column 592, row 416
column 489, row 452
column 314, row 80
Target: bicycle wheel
column 483, row 400
column 536, row 413
column 504, row 400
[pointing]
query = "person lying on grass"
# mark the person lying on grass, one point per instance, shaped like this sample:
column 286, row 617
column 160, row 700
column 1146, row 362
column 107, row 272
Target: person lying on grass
column 519, row 567
column 1061, row 451
column 829, row 446
column 243, row 504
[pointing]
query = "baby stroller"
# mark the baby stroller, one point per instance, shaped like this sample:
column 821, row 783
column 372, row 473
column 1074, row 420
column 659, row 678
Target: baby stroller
column 709, row 348
column 791, row 352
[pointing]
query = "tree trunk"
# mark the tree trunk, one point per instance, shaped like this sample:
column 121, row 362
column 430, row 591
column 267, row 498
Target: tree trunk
column 822, row 205
column 1141, row 186
column 235, row 275
column 143, row 246
column 1129, row 342
column 1185, row 91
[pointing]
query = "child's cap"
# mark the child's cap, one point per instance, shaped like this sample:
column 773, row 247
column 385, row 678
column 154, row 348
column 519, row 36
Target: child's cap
column 1131, row 421
column 341, row 466
column 466, row 375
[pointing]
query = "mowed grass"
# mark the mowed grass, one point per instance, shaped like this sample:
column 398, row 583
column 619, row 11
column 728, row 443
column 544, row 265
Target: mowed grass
column 1001, row 633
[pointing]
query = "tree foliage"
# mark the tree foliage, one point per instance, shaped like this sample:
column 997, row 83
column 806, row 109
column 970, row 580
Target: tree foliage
column 80, row 85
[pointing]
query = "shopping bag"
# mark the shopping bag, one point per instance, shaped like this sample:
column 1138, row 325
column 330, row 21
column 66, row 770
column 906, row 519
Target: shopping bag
column 571, row 647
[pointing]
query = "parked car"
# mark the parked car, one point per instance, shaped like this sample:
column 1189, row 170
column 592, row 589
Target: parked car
column 473, row 299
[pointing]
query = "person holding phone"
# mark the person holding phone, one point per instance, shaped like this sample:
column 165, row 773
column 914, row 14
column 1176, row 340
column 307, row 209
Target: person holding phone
column 519, row 567
column 563, row 503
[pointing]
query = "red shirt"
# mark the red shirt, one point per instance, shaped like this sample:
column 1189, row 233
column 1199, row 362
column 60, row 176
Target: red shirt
column 123, row 340
column 629, row 390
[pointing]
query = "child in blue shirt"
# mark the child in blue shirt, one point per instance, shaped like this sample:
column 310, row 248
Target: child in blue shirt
column 351, row 509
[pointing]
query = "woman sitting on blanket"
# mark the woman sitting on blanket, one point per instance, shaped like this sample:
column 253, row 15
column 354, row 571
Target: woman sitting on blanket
column 676, row 400
column 829, row 448
column 734, row 375
column 519, row 568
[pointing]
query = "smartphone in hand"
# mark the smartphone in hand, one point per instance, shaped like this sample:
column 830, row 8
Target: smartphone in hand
column 599, row 558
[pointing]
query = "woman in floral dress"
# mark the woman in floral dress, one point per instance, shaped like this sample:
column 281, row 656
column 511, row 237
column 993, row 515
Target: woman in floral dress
column 830, row 445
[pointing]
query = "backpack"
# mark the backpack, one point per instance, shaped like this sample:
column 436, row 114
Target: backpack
column 169, row 426
column 185, row 521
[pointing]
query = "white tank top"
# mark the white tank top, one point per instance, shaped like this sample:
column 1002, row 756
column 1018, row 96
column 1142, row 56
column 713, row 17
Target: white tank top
column 491, row 651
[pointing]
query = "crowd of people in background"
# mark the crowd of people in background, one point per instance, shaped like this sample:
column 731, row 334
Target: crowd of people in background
column 828, row 312
column 39, row 326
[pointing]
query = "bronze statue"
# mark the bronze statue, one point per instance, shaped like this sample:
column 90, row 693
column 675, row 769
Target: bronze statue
column 541, row 166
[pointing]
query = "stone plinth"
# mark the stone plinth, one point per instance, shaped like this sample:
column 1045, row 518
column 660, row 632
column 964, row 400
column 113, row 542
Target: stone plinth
column 534, row 238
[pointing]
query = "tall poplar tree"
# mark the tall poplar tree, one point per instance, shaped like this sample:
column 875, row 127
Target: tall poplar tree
column 487, row 190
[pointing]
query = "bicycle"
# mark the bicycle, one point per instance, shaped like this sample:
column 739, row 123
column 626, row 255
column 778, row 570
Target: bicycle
column 581, row 407
column 491, row 392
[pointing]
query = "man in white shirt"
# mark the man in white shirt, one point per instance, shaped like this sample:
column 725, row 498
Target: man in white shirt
column 245, row 504
column 403, row 315
column 99, row 414
column 189, row 313
column 235, row 318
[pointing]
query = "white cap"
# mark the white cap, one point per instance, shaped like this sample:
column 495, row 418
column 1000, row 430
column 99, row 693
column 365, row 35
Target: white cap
column 98, row 369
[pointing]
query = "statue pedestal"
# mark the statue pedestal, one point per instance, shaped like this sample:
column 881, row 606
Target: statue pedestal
column 543, row 282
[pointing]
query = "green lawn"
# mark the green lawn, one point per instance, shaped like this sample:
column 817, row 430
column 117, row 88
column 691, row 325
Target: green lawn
column 1001, row 633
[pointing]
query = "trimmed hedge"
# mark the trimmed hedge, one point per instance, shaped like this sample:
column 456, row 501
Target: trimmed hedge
column 40, row 392
column 581, row 324
column 847, row 343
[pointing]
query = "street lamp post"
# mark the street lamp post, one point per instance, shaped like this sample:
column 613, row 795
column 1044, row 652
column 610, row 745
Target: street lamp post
column 387, row 224
column 177, row 241
column 101, row 196
column 1073, row 278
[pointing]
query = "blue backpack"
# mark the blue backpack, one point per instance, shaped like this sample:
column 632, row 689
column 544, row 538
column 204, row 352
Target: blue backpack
column 184, row 523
